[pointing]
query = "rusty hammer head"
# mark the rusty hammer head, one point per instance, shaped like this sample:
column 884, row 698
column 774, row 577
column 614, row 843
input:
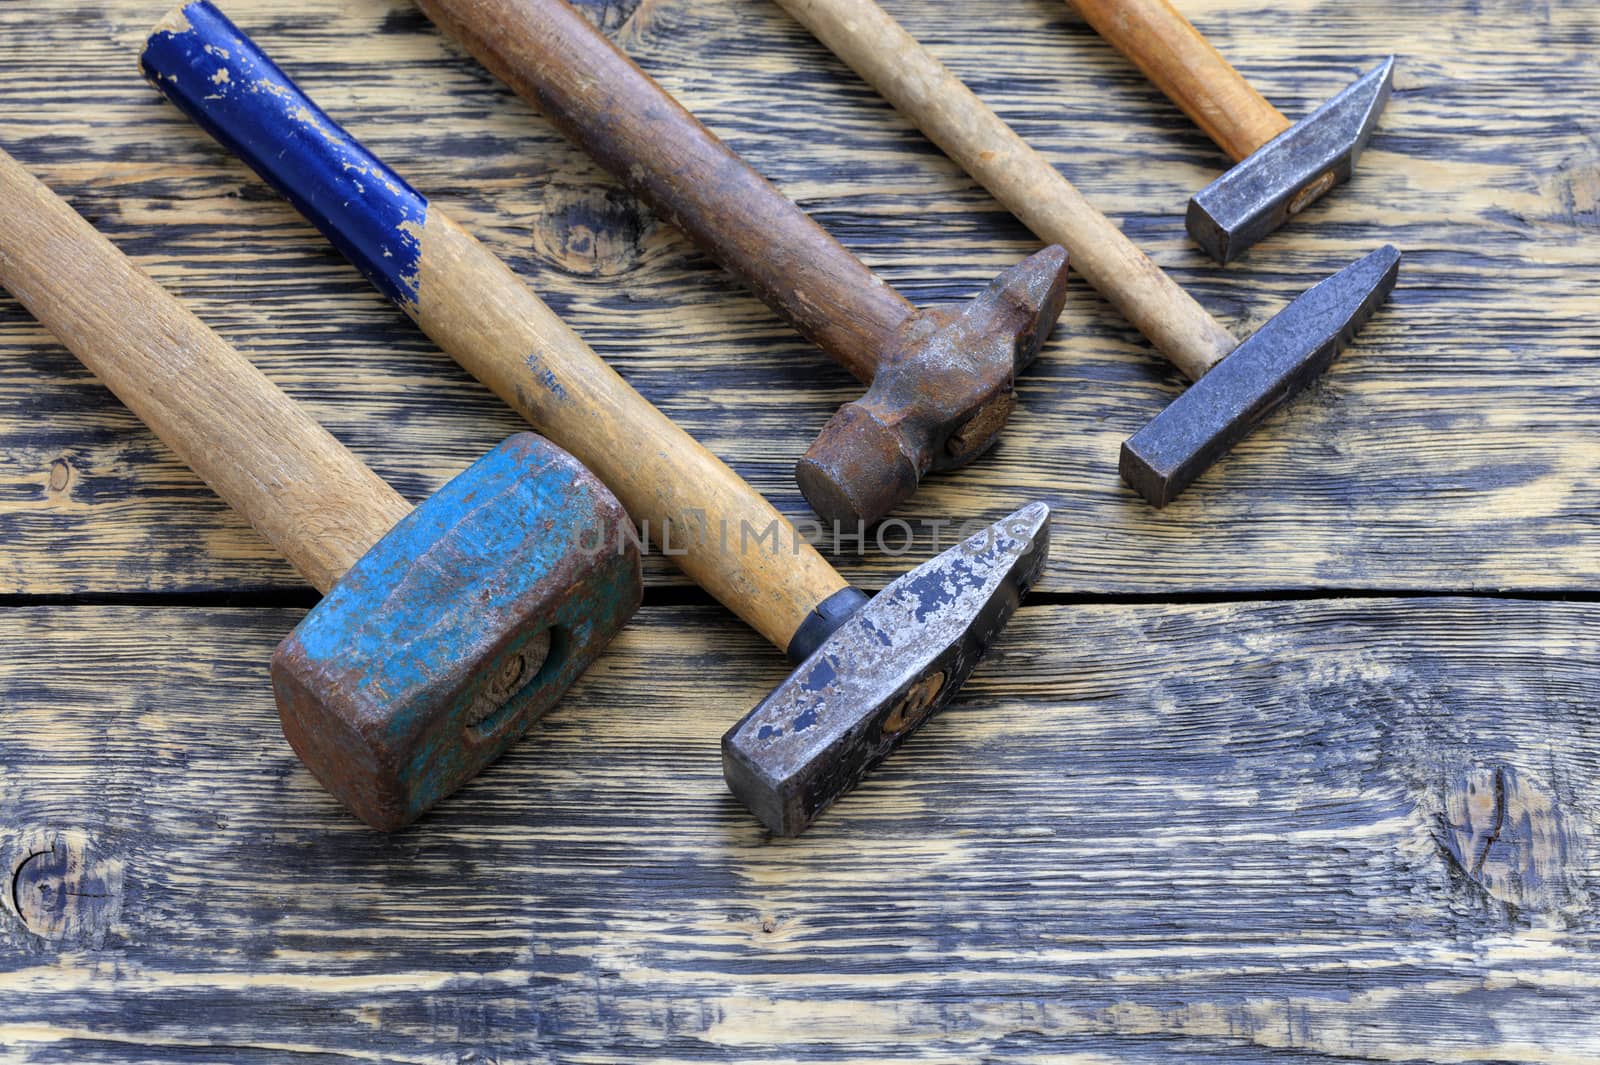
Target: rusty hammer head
column 872, row 670
column 939, row 398
column 456, row 630
column 1260, row 375
column 1291, row 171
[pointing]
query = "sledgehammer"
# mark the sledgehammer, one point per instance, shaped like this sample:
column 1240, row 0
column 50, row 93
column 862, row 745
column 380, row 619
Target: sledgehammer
column 1236, row 384
column 869, row 671
column 443, row 631
column 1283, row 167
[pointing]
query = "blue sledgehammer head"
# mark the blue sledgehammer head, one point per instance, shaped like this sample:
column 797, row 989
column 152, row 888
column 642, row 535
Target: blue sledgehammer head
column 457, row 630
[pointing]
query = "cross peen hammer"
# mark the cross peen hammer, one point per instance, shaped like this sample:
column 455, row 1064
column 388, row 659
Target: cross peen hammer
column 869, row 671
column 1236, row 384
column 941, row 378
column 1283, row 168
column 444, row 631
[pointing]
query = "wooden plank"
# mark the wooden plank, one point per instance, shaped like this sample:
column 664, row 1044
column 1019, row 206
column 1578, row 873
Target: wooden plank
column 1454, row 446
column 1348, row 830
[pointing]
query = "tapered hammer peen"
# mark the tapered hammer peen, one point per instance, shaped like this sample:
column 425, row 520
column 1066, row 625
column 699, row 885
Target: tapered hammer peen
column 868, row 672
column 940, row 378
column 1283, row 167
column 444, row 630
column 1236, row 384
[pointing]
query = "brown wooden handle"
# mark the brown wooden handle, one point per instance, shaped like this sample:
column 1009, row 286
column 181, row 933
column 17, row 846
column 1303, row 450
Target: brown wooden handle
column 1183, row 64
column 863, row 35
column 262, row 453
column 724, row 534
column 602, row 101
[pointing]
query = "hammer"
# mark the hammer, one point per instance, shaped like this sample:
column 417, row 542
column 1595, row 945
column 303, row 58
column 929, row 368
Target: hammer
column 1236, row 384
column 868, row 672
column 443, row 631
column 941, row 378
column 1282, row 168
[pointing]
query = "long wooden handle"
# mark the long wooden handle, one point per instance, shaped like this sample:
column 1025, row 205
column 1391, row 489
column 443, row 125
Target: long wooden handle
column 1184, row 65
column 263, row 454
column 601, row 100
column 863, row 35
column 701, row 514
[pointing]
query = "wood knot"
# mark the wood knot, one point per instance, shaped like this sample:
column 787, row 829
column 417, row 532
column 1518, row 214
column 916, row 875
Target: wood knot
column 1506, row 833
column 591, row 231
column 61, row 890
column 60, row 476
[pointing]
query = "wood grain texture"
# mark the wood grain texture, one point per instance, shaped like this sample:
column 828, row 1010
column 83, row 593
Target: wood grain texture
column 1453, row 446
column 1359, row 830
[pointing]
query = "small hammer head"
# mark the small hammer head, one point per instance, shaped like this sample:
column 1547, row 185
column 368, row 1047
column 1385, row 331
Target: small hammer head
column 939, row 398
column 1290, row 172
column 456, row 630
column 1258, row 377
column 881, row 673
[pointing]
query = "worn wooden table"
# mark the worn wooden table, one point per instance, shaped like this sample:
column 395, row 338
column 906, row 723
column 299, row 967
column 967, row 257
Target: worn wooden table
column 1302, row 768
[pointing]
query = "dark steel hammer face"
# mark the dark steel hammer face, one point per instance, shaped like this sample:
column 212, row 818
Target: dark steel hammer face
column 444, row 630
column 1277, row 361
column 904, row 653
column 950, row 370
column 1282, row 168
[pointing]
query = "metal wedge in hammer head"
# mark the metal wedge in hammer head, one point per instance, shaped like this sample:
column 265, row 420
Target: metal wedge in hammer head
column 1277, row 361
column 444, row 631
column 730, row 540
column 883, row 670
column 941, row 395
column 948, row 387
column 1291, row 171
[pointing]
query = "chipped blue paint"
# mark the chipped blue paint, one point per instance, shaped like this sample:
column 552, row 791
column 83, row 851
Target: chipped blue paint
column 378, row 684
column 218, row 77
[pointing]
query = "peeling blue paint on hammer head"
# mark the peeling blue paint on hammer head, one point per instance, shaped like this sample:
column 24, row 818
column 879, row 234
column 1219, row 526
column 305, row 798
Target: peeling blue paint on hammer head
column 1290, row 172
column 1259, row 376
column 218, row 77
column 883, row 671
column 459, row 628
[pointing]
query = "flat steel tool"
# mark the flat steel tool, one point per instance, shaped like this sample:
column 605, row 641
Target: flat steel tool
column 443, row 631
column 1221, row 408
column 941, row 378
column 858, row 689
column 1283, row 167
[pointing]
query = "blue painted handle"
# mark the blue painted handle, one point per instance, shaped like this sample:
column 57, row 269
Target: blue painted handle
column 219, row 78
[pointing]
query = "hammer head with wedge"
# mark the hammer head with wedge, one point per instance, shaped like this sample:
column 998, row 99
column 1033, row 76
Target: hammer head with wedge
column 1263, row 373
column 1290, row 172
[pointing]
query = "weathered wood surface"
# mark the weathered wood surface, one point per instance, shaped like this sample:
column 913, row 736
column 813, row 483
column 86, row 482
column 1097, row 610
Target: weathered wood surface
column 1308, row 831
column 1454, row 446
column 1150, row 832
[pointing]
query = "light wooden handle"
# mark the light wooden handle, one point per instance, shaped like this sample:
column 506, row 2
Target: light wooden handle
column 1183, row 64
column 723, row 533
column 733, row 542
column 909, row 77
column 308, row 495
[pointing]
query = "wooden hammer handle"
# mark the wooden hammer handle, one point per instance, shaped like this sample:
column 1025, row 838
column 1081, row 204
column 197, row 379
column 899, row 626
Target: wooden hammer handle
column 863, row 35
column 1184, row 65
column 602, row 101
column 722, row 532
column 262, row 453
